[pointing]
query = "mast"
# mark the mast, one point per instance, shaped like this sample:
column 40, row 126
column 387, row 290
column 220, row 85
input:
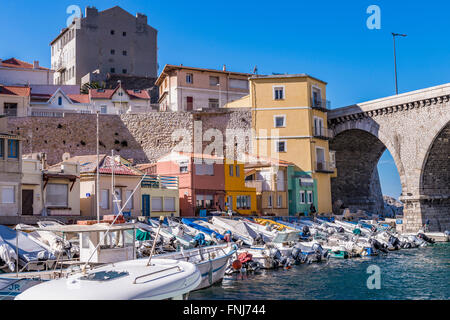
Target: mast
column 97, row 187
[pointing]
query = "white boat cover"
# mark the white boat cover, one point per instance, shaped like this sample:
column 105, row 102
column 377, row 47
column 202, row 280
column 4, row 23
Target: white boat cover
column 28, row 250
column 237, row 227
column 8, row 255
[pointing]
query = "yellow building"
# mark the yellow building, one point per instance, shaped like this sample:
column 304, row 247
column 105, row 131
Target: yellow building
column 239, row 197
column 290, row 122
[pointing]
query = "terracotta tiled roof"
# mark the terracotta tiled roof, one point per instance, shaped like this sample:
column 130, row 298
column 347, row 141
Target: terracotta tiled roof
column 79, row 98
column 108, row 93
column 15, row 90
column 16, row 63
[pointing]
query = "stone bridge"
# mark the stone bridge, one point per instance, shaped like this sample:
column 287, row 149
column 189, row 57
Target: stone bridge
column 415, row 128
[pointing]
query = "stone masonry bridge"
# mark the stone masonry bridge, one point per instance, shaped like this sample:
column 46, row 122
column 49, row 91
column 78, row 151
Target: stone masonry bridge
column 415, row 128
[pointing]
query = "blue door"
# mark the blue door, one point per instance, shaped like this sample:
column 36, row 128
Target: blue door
column 146, row 205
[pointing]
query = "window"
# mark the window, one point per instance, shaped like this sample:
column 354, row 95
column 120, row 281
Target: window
column 8, row 195
column 183, row 167
column 318, row 125
column 2, row 148
column 332, row 159
column 124, row 52
column 189, row 78
column 243, row 202
column 238, row 84
column 213, row 103
column 112, row 32
column 156, row 204
column 13, row 149
column 310, row 197
column 204, row 201
column 231, row 170
column 124, row 34
column 10, row 109
column 316, row 96
column 124, row 71
column 103, row 109
column 59, row 101
column 169, row 204
column 113, row 70
column 278, row 93
column 269, row 202
column 279, row 201
column 279, row 121
column 302, row 196
column 213, row 81
column 204, row 169
column 113, row 52
column 280, row 146
column 57, row 195
column 104, row 199
column 238, row 174
column 129, row 194
column 230, row 202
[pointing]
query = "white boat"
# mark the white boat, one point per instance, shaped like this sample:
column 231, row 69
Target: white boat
column 126, row 280
column 211, row 261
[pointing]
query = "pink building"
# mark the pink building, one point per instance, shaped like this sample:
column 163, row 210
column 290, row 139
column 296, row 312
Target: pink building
column 201, row 185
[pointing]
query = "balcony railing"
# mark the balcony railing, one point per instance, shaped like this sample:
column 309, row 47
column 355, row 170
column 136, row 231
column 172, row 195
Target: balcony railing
column 324, row 166
column 320, row 104
column 323, row 133
column 264, row 185
column 156, row 181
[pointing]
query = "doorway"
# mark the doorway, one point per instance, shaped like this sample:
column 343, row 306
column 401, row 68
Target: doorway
column 27, row 202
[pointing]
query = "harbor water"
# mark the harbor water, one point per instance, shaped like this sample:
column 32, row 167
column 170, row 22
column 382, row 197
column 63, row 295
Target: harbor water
column 421, row 273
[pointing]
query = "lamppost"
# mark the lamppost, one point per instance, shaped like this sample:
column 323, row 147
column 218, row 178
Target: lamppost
column 220, row 94
column 395, row 58
column 120, row 95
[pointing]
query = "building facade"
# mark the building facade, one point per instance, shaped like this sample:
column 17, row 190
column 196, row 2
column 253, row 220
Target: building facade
column 120, row 101
column 239, row 197
column 201, row 181
column 14, row 100
column 186, row 88
column 110, row 41
column 10, row 171
column 16, row 72
column 290, row 121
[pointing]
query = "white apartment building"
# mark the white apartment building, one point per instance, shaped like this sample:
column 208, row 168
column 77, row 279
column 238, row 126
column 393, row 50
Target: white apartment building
column 111, row 41
column 187, row 88
column 16, row 72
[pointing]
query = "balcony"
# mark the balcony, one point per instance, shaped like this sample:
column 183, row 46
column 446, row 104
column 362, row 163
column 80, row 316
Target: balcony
column 322, row 105
column 156, row 181
column 323, row 133
column 324, row 166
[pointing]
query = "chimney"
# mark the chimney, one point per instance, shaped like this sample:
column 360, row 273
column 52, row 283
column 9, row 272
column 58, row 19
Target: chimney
column 35, row 64
column 91, row 12
column 142, row 18
column 224, row 68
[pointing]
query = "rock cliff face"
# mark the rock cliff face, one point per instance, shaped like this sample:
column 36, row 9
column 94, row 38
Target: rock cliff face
column 392, row 207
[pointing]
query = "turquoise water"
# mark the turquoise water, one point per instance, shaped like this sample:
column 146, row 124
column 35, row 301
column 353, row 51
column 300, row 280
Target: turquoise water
column 422, row 273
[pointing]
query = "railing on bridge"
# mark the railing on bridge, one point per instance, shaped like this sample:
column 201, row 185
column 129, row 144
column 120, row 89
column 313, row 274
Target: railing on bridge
column 157, row 181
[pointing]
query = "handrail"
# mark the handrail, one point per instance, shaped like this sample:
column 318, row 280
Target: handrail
column 155, row 272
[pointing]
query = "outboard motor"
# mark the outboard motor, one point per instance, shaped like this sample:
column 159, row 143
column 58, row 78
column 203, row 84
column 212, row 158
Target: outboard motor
column 394, row 242
column 321, row 253
column 259, row 240
column 425, row 238
column 296, row 253
column 340, row 230
column 199, row 240
column 305, row 231
column 377, row 245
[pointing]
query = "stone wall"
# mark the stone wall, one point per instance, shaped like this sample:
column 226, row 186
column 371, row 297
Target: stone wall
column 141, row 137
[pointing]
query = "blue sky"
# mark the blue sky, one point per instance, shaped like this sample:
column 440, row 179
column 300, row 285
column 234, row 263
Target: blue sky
column 327, row 39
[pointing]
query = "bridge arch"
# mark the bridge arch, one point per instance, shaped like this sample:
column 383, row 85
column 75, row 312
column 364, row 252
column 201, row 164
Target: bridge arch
column 434, row 183
column 359, row 146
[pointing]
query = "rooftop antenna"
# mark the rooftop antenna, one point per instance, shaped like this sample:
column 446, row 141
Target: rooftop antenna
column 255, row 70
